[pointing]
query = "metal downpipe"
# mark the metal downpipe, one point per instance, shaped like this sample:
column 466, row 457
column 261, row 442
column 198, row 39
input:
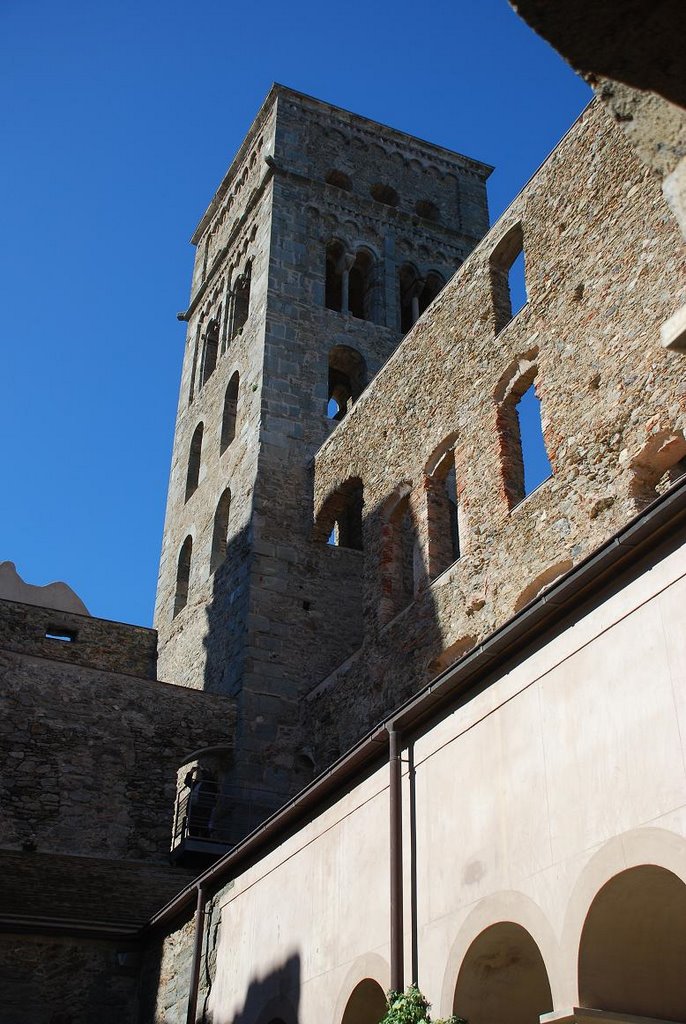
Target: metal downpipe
column 396, row 860
column 197, row 956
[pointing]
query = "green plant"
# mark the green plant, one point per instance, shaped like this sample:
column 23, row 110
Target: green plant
column 411, row 1007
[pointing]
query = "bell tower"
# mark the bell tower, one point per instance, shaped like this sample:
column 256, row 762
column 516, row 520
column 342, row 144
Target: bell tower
column 328, row 237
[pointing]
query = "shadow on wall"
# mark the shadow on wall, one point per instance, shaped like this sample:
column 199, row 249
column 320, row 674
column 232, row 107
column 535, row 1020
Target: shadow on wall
column 272, row 999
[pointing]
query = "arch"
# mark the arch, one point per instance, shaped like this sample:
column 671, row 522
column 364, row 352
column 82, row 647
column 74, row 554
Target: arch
column 660, row 463
column 542, row 582
column 347, row 378
column 340, row 179
column 210, row 351
column 241, row 300
column 503, row 978
column 523, row 455
column 442, row 508
column 194, row 370
column 339, row 521
column 433, row 284
column 428, row 210
column 220, row 531
column 508, row 285
column 183, row 575
column 369, row 966
column 362, row 286
column 194, row 460
column 409, row 283
column 401, row 567
column 385, row 194
column 366, row 1003
column 633, row 945
column 229, row 413
column 450, row 655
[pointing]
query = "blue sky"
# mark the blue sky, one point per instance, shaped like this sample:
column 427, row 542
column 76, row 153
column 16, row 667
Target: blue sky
column 119, row 121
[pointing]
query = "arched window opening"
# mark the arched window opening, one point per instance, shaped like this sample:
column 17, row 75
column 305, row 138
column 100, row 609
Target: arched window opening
column 339, row 179
column 339, row 522
column 210, row 351
column 508, row 285
column 503, row 978
column 361, row 286
column 432, row 286
column 428, row 210
column 633, row 945
column 524, row 459
column 410, row 284
column 443, row 525
column 183, row 575
column 661, row 462
column 194, row 370
column 241, row 300
column 229, row 415
column 401, row 559
column 384, row 194
column 220, row 531
column 194, row 457
column 347, row 378
column 366, row 1005
column 335, row 269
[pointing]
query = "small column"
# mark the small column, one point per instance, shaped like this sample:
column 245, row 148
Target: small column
column 344, row 266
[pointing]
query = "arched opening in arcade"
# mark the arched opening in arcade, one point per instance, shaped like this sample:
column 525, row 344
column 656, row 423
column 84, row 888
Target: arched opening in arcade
column 366, row 1005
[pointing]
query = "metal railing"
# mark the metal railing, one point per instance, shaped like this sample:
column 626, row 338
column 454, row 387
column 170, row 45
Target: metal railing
column 194, row 814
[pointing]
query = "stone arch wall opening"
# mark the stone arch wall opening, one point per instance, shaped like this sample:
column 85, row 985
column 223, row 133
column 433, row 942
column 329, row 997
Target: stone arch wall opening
column 340, row 179
column 362, row 286
column 183, row 575
column 241, row 300
column 507, row 271
column 442, row 510
column 210, row 351
column 409, row 284
column 660, row 463
column 194, row 460
column 347, row 378
column 433, row 284
column 229, row 413
column 633, row 945
column 366, row 1005
column 194, row 370
column 401, row 559
column 220, row 531
column 503, row 978
column 524, row 458
column 333, row 289
column 385, row 194
column 339, row 522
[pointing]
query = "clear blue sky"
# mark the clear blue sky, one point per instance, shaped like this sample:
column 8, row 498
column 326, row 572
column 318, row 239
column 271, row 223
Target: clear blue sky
column 119, row 120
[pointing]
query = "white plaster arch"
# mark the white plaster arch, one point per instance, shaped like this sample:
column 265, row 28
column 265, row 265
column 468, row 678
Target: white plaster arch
column 631, row 849
column 507, row 906
column 369, row 965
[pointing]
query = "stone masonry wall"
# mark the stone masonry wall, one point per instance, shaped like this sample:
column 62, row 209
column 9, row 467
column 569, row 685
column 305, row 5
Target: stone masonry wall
column 604, row 266
column 91, row 756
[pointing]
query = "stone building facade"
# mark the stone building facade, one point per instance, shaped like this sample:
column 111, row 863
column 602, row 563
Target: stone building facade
column 487, row 680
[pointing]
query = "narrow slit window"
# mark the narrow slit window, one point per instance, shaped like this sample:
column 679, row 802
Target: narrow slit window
column 183, row 575
column 194, row 459
column 65, row 636
column 210, row 351
column 241, row 300
column 229, row 415
column 442, row 512
column 508, row 284
column 536, row 463
column 220, row 531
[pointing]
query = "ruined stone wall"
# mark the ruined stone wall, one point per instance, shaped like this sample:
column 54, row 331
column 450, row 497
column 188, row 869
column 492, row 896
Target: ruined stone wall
column 603, row 268
column 78, row 639
column 91, row 756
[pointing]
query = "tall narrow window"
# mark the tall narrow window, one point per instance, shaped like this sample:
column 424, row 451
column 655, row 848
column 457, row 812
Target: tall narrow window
column 347, row 378
column 210, row 351
column 400, row 557
column 220, row 531
column 194, row 457
column 333, row 294
column 508, row 287
column 183, row 575
column 443, row 525
column 241, row 300
column 432, row 286
column 229, row 416
column 361, row 287
column 409, row 284
column 194, row 370
column 524, row 458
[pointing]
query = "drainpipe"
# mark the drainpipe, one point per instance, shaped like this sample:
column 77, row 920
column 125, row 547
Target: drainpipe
column 396, row 859
column 197, row 956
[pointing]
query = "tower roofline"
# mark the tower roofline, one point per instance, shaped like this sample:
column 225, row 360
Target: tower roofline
column 483, row 170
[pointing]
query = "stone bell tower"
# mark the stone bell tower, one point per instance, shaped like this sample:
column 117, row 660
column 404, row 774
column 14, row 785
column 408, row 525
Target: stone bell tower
column 328, row 237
